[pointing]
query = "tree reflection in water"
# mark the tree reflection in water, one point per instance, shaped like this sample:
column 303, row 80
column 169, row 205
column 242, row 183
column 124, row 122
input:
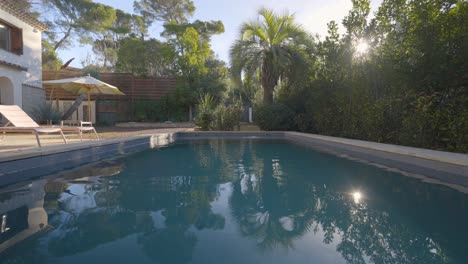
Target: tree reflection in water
column 281, row 194
column 277, row 202
column 119, row 206
column 169, row 245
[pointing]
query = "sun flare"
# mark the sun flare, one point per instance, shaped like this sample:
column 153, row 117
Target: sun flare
column 362, row 47
column 357, row 196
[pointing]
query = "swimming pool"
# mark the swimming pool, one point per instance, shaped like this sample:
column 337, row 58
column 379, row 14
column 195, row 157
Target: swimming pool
column 232, row 201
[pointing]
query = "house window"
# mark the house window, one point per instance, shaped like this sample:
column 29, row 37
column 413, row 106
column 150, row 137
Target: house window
column 5, row 40
column 11, row 38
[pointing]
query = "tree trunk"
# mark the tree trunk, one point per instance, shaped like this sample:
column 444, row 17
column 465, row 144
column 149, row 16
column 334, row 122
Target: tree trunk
column 268, row 83
column 267, row 95
column 60, row 42
column 74, row 106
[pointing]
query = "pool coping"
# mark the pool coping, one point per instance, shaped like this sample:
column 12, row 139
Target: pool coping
column 32, row 163
column 451, row 168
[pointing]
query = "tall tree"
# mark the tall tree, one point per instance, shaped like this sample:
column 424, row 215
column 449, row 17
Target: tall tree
column 270, row 45
column 145, row 57
column 76, row 19
column 106, row 43
column 175, row 11
column 205, row 29
column 194, row 59
column 50, row 60
column 26, row 6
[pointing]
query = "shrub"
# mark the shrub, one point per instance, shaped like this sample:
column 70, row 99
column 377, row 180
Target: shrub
column 274, row 117
column 143, row 109
column 305, row 122
column 205, row 107
column 227, row 117
column 164, row 109
column 437, row 121
column 46, row 112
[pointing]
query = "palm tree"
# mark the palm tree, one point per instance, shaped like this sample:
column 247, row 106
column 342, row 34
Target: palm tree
column 270, row 46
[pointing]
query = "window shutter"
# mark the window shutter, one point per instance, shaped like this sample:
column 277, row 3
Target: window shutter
column 17, row 41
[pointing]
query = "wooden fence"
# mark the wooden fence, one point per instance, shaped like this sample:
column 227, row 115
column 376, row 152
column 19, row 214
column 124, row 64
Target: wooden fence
column 111, row 109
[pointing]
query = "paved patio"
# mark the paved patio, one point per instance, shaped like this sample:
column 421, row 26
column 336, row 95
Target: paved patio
column 16, row 143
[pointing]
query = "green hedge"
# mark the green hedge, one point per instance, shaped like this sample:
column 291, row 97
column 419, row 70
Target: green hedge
column 164, row 109
column 275, row 117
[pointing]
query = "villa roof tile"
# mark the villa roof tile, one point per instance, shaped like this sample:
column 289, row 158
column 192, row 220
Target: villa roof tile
column 12, row 9
column 12, row 65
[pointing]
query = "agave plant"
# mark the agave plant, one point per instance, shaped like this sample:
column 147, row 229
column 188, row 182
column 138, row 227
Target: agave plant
column 205, row 107
column 46, row 112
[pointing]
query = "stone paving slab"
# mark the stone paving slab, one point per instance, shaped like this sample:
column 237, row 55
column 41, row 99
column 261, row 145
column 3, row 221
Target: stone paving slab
column 15, row 143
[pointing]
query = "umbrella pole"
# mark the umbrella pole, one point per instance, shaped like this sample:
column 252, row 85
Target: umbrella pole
column 89, row 108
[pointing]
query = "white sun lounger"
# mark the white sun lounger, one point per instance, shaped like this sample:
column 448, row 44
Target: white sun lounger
column 22, row 123
column 84, row 127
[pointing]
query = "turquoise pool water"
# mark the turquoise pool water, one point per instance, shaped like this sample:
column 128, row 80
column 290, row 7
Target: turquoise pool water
column 232, row 201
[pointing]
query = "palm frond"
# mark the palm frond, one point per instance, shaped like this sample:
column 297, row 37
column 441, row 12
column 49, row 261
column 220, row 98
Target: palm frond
column 272, row 45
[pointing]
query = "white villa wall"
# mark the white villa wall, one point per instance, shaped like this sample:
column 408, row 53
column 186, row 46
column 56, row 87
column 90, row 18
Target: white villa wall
column 33, row 97
column 30, row 59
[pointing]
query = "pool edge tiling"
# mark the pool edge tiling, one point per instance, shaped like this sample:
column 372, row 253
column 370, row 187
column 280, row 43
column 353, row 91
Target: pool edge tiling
column 47, row 160
column 449, row 168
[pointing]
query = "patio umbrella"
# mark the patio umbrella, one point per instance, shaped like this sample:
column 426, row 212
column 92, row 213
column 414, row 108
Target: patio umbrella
column 85, row 85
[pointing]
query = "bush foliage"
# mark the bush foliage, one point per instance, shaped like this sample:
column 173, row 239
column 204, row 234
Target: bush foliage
column 274, row 117
column 205, row 116
column 164, row 109
column 46, row 112
column 407, row 86
column 214, row 116
column 227, row 118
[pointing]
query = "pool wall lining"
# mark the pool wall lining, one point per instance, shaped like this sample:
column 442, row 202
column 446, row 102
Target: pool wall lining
column 443, row 166
column 48, row 160
column 447, row 167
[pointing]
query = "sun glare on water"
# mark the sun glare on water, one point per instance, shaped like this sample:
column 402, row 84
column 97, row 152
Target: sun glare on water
column 357, row 196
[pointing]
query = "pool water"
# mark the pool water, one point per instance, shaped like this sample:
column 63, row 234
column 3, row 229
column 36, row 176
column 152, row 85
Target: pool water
column 232, row 201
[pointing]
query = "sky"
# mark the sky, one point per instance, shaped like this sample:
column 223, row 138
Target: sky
column 313, row 15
